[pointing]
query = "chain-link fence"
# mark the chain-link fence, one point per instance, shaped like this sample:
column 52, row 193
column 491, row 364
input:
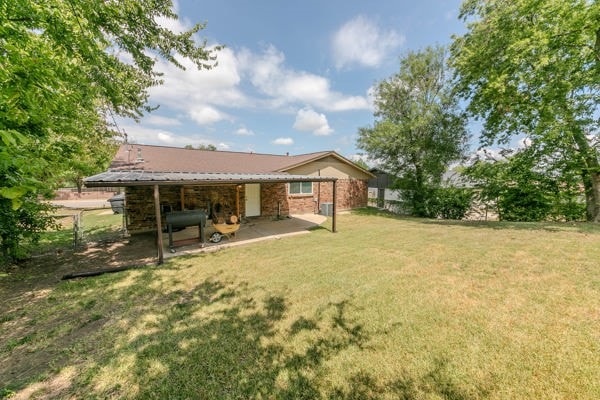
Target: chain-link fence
column 78, row 228
column 394, row 206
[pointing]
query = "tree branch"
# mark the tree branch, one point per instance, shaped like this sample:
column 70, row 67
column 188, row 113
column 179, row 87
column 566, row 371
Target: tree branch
column 23, row 19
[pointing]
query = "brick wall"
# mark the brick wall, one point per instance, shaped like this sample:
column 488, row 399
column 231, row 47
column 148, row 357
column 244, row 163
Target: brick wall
column 302, row 203
column 273, row 199
column 351, row 193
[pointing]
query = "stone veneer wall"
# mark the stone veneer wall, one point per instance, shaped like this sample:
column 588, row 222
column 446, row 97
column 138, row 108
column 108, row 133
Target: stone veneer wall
column 140, row 202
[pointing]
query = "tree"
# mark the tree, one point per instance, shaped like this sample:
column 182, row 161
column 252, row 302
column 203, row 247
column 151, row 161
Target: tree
column 85, row 156
column 27, row 222
column 532, row 67
column 519, row 189
column 207, row 147
column 361, row 164
column 68, row 67
column 419, row 129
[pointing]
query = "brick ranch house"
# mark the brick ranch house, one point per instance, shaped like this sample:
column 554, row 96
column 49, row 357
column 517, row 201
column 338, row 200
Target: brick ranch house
column 160, row 179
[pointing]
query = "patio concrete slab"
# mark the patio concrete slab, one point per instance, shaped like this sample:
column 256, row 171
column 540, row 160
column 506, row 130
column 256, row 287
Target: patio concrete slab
column 251, row 230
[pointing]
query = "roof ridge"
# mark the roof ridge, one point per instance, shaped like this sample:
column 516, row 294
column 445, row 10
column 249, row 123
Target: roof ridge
column 226, row 151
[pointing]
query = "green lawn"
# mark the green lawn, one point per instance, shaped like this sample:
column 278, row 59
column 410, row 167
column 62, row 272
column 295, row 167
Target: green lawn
column 386, row 308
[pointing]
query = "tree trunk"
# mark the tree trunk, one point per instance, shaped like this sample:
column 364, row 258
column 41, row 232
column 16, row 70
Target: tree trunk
column 592, row 198
column 590, row 175
column 418, row 194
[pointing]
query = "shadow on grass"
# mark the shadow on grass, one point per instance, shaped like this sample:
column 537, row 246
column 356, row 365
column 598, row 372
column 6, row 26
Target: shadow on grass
column 134, row 338
column 580, row 227
column 232, row 351
column 436, row 383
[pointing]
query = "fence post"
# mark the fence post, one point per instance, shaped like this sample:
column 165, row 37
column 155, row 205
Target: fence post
column 77, row 229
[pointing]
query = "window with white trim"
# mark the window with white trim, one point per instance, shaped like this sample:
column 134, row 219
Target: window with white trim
column 300, row 188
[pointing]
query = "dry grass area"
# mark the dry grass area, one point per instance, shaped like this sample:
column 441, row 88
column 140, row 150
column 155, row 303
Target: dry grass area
column 386, row 308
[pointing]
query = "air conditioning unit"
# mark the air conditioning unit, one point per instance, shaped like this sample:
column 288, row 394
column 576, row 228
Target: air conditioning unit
column 327, row 209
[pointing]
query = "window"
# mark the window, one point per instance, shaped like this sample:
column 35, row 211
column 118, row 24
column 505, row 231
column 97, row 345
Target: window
column 300, row 187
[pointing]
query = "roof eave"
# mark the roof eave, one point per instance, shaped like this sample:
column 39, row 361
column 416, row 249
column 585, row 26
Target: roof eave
column 204, row 182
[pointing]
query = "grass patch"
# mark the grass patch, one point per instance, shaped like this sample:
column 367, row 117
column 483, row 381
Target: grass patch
column 97, row 225
column 386, row 308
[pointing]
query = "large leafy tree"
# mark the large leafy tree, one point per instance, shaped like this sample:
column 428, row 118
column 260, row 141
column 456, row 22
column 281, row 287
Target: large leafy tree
column 525, row 185
column 532, row 67
column 67, row 68
column 419, row 129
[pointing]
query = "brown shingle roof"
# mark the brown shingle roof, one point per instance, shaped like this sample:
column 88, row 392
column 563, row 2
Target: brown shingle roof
column 173, row 159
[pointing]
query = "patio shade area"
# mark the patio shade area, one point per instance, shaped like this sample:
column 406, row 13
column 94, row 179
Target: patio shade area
column 252, row 230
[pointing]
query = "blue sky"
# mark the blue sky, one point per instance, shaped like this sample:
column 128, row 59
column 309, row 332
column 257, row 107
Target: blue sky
column 294, row 77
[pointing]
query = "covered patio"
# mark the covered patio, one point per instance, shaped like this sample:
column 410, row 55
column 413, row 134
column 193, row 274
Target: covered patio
column 249, row 228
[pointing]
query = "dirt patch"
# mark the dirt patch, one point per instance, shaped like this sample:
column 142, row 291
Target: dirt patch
column 37, row 275
column 32, row 282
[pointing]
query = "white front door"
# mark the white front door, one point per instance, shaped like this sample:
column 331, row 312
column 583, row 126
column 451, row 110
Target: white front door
column 252, row 199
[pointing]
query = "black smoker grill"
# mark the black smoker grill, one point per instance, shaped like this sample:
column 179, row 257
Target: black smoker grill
column 183, row 219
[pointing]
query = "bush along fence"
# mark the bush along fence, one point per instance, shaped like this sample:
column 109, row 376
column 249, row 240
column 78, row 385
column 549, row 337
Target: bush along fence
column 443, row 203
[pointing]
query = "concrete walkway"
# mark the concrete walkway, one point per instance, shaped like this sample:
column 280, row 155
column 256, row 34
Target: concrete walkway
column 251, row 231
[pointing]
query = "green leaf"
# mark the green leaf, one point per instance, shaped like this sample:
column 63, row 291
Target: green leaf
column 13, row 193
column 12, row 138
column 16, row 203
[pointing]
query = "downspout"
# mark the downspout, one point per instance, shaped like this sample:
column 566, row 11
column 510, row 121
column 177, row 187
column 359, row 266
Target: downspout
column 318, row 193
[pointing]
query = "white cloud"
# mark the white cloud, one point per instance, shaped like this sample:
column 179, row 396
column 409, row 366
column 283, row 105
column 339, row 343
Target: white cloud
column 243, row 131
column 362, row 157
column 201, row 93
column 308, row 120
column 174, row 25
column 352, row 103
column 165, row 137
column 284, row 141
column 161, row 121
column 285, row 86
column 489, row 154
column 525, row 143
column 139, row 134
column 243, row 79
column 206, row 115
column 223, row 146
column 361, row 41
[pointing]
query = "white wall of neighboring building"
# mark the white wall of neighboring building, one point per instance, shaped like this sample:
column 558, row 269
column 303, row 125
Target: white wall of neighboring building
column 389, row 194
